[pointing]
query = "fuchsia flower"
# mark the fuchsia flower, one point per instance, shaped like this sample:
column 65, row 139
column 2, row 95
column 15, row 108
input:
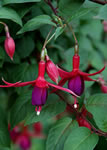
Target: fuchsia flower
column 52, row 70
column 76, row 77
column 20, row 135
column 9, row 44
column 39, row 94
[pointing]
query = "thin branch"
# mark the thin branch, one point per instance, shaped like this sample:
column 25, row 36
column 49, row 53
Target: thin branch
column 99, row 2
column 51, row 6
column 97, row 131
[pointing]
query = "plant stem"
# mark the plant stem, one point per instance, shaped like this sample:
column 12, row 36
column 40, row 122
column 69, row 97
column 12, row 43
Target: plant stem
column 97, row 131
column 46, row 40
column 51, row 6
column 99, row 2
column 69, row 26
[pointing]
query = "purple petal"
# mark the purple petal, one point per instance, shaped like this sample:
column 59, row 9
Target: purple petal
column 39, row 96
column 76, row 84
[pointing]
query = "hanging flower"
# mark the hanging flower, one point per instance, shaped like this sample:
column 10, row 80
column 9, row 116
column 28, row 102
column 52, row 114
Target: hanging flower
column 39, row 94
column 76, row 77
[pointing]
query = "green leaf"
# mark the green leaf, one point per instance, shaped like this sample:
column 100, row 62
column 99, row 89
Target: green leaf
column 50, row 109
column 20, row 109
column 81, row 12
column 18, row 1
column 23, row 72
column 59, row 132
column 102, row 13
column 26, row 44
column 4, row 133
column 97, row 105
column 8, row 13
column 58, row 32
column 81, row 139
column 68, row 7
column 36, row 23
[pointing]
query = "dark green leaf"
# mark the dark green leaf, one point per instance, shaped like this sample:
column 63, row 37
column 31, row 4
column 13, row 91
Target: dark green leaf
column 8, row 13
column 59, row 132
column 68, row 7
column 4, row 133
column 81, row 139
column 20, row 109
column 58, row 32
column 81, row 12
column 102, row 13
column 50, row 109
column 18, row 1
column 97, row 105
column 25, row 45
column 36, row 23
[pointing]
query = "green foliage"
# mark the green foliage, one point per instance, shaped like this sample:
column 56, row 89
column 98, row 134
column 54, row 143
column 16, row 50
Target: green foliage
column 49, row 110
column 97, row 105
column 18, row 1
column 4, row 134
column 59, row 133
column 81, row 139
column 20, row 109
column 36, row 23
column 102, row 14
column 9, row 13
column 29, row 22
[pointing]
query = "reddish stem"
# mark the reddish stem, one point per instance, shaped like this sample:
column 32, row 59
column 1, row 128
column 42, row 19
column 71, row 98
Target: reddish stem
column 97, row 131
column 99, row 2
column 51, row 6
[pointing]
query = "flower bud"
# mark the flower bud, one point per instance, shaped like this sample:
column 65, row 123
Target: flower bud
column 76, row 84
column 52, row 70
column 9, row 46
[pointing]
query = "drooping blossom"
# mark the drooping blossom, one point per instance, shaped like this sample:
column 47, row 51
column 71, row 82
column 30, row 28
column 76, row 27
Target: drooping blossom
column 20, row 135
column 76, row 77
column 39, row 93
column 51, row 70
column 9, row 44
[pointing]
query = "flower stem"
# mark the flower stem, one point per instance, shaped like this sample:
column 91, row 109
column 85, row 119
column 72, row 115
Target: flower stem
column 99, row 2
column 52, row 7
column 69, row 26
column 47, row 40
column 6, row 29
column 97, row 131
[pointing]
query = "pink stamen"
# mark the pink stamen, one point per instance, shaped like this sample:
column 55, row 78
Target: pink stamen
column 75, row 102
column 38, row 110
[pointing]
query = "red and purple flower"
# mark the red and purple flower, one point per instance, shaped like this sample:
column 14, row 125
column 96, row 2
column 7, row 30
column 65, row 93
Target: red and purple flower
column 39, row 94
column 76, row 77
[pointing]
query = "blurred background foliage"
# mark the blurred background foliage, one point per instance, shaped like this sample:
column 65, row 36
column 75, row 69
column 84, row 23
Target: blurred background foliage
column 29, row 31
